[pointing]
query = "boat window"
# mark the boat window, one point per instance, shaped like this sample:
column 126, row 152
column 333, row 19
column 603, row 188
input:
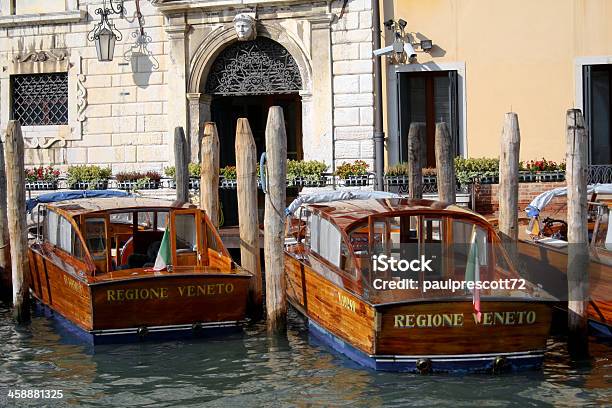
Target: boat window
column 347, row 262
column 314, row 232
column 211, row 239
column 162, row 220
column 146, row 220
column 185, row 232
column 95, row 236
column 121, row 218
column 465, row 236
column 52, row 221
column 326, row 239
column 60, row 233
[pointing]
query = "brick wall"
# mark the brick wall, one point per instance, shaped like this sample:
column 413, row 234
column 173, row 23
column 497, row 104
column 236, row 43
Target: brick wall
column 487, row 199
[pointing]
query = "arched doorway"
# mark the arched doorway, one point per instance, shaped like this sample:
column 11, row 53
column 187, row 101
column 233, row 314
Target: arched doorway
column 246, row 79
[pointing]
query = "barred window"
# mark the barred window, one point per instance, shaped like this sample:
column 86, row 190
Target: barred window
column 40, row 99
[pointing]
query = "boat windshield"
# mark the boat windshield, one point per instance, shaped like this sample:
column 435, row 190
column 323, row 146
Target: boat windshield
column 430, row 256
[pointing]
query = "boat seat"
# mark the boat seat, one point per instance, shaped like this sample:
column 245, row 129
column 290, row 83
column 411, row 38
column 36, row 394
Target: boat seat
column 143, row 260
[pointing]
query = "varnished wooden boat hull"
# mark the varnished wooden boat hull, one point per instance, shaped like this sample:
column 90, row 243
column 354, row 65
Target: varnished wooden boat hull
column 141, row 307
column 445, row 336
column 548, row 267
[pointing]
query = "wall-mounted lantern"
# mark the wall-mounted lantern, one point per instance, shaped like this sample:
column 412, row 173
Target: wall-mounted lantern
column 104, row 34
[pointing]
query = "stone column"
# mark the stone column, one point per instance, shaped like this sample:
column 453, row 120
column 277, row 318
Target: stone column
column 318, row 134
column 194, row 126
column 199, row 113
column 177, row 75
column 308, row 134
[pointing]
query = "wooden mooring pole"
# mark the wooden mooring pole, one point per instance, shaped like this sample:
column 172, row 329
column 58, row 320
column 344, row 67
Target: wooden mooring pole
column 5, row 249
column 274, row 219
column 248, row 220
column 181, row 163
column 16, row 215
column 445, row 164
column 415, row 162
column 209, row 173
column 577, row 234
column 508, row 179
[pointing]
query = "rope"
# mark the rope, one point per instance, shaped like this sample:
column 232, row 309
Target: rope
column 262, row 173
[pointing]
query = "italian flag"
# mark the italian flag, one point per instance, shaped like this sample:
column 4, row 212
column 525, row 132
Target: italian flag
column 472, row 272
column 163, row 255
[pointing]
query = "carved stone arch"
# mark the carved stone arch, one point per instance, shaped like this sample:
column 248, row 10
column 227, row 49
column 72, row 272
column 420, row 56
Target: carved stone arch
column 216, row 42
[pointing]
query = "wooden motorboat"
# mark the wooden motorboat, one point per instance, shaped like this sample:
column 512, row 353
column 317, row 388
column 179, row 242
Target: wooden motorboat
column 544, row 252
column 332, row 280
column 92, row 263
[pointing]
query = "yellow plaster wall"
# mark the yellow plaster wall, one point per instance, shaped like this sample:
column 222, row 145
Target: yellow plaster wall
column 519, row 55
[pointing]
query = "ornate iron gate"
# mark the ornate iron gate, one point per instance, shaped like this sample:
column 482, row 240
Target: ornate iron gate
column 257, row 67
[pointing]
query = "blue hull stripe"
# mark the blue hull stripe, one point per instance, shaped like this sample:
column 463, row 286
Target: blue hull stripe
column 128, row 335
column 440, row 363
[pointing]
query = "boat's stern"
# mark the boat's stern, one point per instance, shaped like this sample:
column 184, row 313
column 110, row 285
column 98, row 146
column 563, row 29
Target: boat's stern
column 168, row 305
column 451, row 336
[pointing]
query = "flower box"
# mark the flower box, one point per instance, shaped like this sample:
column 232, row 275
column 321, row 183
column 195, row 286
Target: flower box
column 308, row 182
column 356, row 180
column 489, row 180
column 194, row 183
column 89, row 185
column 430, row 180
column 41, row 185
column 227, row 183
column 527, row 177
column 548, row 176
column 138, row 185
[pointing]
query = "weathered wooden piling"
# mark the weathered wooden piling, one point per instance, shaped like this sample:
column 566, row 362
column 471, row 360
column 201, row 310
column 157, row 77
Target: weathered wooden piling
column 508, row 179
column 5, row 249
column 577, row 234
column 415, row 159
column 248, row 220
column 445, row 165
column 274, row 219
column 15, row 188
column 181, row 163
column 209, row 173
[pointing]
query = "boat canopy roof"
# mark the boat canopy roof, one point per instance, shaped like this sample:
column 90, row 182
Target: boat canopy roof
column 72, row 195
column 346, row 213
column 537, row 204
column 336, row 195
column 94, row 205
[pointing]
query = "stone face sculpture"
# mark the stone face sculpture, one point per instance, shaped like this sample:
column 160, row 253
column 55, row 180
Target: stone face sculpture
column 244, row 25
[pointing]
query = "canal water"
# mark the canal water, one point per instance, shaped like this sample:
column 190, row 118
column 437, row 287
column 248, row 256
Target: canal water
column 252, row 370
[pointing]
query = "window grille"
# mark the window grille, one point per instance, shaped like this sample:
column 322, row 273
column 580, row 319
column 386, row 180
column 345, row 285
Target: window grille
column 40, row 99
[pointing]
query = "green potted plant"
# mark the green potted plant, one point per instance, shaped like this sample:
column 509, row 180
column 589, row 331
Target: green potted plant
column 353, row 174
column 228, row 177
column 194, row 175
column 483, row 170
column 397, row 174
column 41, row 178
column 308, row 173
column 88, row 177
column 134, row 180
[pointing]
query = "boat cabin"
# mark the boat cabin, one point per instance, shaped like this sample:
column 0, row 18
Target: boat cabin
column 365, row 245
column 105, row 235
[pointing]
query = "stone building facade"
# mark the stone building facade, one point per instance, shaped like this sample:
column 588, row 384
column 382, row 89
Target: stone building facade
column 123, row 113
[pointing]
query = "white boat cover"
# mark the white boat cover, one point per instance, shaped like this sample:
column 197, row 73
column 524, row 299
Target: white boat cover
column 541, row 201
column 336, row 195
